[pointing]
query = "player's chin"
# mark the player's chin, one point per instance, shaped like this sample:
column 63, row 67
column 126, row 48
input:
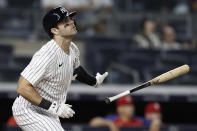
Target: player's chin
column 74, row 32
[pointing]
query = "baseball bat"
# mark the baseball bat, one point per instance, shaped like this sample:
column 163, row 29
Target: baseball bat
column 179, row 71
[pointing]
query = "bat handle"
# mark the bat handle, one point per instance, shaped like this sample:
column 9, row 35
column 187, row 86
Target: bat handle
column 107, row 100
column 110, row 99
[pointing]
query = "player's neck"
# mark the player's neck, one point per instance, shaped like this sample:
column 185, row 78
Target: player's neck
column 64, row 43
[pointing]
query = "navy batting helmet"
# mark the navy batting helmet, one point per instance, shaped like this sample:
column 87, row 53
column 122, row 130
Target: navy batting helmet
column 53, row 17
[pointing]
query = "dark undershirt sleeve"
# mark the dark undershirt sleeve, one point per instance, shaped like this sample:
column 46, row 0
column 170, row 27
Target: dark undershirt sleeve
column 84, row 77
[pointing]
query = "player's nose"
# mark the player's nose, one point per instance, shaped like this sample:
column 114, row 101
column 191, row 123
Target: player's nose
column 70, row 21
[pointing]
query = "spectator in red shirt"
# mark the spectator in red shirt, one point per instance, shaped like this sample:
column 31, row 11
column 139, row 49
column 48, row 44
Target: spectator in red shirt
column 125, row 117
column 11, row 121
column 153, row 113
column 126, row 109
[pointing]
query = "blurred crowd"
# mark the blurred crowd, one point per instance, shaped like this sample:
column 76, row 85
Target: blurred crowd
column 151, row 34
column 162, row 6
column 95, row 18
column 91, row 12
column 115, row 27
column 166, row 39
column 94, row 15
column 126, row 116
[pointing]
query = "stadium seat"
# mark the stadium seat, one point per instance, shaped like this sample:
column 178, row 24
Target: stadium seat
column 25, row 3
column 172, row 60
column 186, row 53
column 122, row 74
column 6, row 52
column 101, row 51
column 156, row 71
column 153, row 53
column 9, row 74
column 11, row 128
column 21, row 61
column 138, row 62
column 190, row 78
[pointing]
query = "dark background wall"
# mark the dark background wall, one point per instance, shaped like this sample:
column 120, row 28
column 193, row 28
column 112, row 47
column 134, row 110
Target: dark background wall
column 173, row 112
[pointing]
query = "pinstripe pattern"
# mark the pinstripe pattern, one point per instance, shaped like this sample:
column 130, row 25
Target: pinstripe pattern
column 50, row 72
column 31, row 120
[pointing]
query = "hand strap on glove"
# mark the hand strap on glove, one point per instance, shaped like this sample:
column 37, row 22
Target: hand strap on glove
column 84, row 77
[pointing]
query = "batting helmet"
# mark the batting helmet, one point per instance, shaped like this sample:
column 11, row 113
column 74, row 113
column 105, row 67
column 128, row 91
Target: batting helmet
column 53, row 17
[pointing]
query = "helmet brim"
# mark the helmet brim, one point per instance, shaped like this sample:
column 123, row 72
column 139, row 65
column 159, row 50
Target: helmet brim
column 71, row 14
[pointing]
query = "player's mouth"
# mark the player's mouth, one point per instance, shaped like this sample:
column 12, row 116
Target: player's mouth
column 74, row 28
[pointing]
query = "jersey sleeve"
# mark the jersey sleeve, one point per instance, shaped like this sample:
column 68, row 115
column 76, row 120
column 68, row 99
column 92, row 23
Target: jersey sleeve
column 37, row 68
column 77, row 54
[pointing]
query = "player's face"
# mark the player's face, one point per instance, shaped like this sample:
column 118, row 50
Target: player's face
column 126, row 110
column 67, row 27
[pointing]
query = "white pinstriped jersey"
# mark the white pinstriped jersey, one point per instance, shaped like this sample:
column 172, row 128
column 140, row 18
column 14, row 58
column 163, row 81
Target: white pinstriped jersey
column 50, row 72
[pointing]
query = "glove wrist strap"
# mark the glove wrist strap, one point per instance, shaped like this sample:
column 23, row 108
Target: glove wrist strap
column 45, row 104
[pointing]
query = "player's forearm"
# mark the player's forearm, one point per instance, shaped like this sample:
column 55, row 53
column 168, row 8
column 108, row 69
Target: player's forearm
column 84, row 77
column 81, row 75
column 26, row 90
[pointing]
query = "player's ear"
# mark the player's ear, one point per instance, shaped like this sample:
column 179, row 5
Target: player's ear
column 54, row 31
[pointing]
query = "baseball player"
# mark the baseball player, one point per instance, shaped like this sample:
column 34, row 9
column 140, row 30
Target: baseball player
column 43, row 84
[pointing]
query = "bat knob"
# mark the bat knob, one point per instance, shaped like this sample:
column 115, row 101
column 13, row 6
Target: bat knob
column 107, row 101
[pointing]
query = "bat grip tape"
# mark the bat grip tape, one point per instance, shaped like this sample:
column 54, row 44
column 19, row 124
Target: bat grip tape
column 140, row 87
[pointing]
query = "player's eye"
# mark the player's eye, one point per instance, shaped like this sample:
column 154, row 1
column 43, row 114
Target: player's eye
column 66, row 25
column 71, row 18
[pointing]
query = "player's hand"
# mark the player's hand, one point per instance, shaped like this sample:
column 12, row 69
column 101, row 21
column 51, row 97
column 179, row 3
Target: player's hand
column 62, row 110
column 100, row 78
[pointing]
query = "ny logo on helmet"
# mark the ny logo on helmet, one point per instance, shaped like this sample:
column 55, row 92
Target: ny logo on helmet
column 63, row 10
column 58, row 17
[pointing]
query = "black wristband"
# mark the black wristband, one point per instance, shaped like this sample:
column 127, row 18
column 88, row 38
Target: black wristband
column 45, row 104
column 84, row 77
